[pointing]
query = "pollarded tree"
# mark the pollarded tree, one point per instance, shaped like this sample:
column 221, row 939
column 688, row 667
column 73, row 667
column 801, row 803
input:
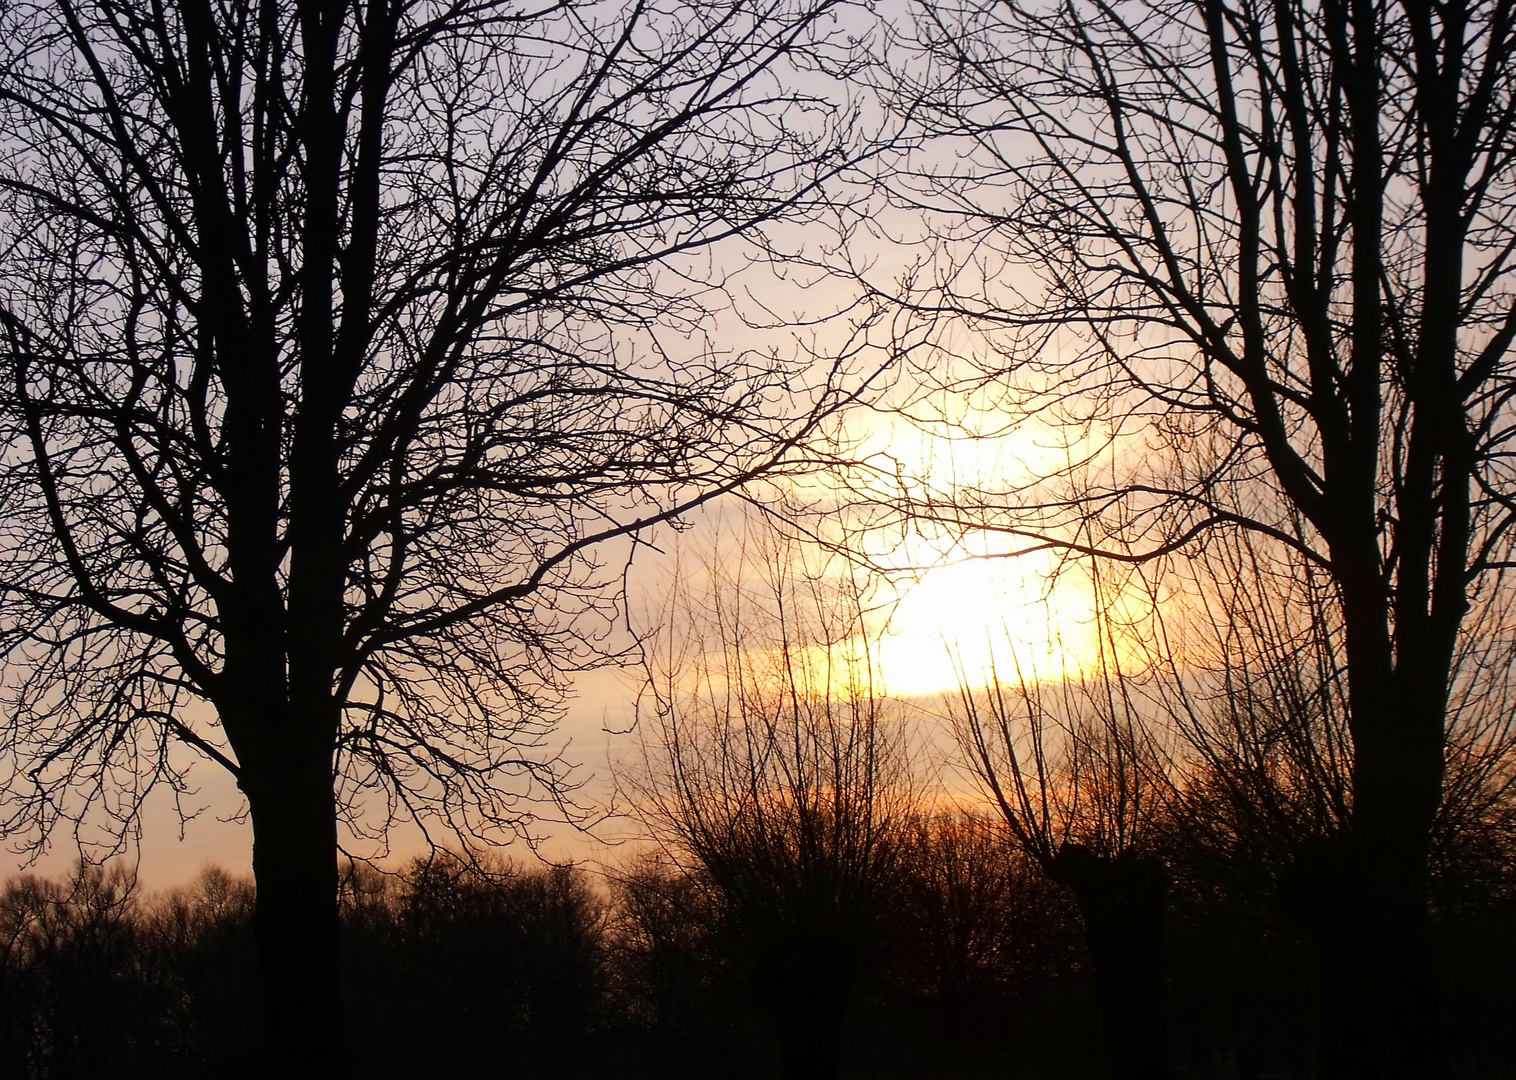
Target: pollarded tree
column 1258, row 256
column 1080, row 774
column 1247, row 653
column 336, row 336
column 774, row 774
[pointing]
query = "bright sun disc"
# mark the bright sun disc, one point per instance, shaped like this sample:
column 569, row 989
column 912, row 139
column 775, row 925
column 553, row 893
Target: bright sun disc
column 973, row 620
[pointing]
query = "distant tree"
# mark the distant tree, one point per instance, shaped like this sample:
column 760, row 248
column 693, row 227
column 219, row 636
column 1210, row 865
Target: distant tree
column 1253, row 261
column 661, row 949
column 511, row 954
column 336, row 336
column 75, row 1002
column 970, row 918
column 196, row 950
column 774, row 772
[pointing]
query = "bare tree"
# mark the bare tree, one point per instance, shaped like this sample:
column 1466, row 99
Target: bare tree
column 511, row 955
column 69, row 960
column 1245, row 649
column 337, row 335
column 1248, row 644
column 1080, row 774
column 773, row 772
column 662, row 964
column 1255, row 259
column 1216, row 739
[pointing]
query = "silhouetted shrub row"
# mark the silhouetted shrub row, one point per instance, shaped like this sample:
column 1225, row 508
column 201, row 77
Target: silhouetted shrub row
column 973, row 962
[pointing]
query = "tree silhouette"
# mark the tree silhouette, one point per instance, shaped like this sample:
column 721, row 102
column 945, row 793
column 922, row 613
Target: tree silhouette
column 509, row 954
column 1242, row 647
column 774, row 773
column 336, row 337
column 1079, row 773
column 1253, row 259
column 972, row 917
column 661, row 957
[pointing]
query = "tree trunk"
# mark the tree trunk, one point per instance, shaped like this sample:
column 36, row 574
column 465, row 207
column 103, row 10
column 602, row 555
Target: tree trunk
column 1371, row 938
column 1322, row 891
column 1122, row 902
column 1396, row 956
column 295, row 871
column 1399, row 1023
column 1396, row 794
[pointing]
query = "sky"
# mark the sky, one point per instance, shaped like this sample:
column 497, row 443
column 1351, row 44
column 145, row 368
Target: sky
column 962, row 616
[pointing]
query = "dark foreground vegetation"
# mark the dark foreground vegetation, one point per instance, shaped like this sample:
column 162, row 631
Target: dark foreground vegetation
column 972, row 964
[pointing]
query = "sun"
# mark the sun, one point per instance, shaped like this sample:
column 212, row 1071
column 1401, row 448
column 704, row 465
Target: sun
column 970, row 621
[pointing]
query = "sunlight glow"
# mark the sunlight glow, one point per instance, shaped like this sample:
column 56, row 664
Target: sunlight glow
column 964, row 619
column 975, row 619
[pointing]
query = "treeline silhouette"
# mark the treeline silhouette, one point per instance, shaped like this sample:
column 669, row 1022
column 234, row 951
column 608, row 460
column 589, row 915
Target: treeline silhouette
column 965, row 960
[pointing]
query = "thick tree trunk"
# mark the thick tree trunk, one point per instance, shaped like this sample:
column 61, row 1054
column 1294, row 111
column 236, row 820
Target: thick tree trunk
column 1323, row 892
column 1122, row 902
column 295, row 871
column 1398, row 1022
column 1397, row 790
column 1396, row 957
column 1372, row 923
column 1371, row 938
column 1398, row 691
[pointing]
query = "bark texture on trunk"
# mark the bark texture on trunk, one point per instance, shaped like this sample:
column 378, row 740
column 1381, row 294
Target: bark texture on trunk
column 1123, row 901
